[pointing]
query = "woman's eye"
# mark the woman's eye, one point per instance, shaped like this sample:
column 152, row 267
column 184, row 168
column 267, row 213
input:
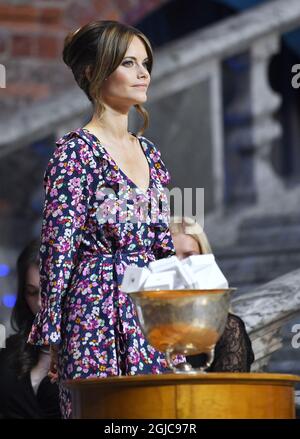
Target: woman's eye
column 126, row 62
column 32, row 293
column 145, row 64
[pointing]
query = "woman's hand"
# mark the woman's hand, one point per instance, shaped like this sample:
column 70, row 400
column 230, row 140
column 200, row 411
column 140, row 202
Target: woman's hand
column 52, row 374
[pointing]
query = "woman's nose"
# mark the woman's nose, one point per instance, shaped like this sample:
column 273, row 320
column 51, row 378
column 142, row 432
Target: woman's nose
column 143, row 71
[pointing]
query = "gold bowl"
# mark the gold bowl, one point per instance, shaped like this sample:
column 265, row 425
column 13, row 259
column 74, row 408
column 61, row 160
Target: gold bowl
column 183, row 322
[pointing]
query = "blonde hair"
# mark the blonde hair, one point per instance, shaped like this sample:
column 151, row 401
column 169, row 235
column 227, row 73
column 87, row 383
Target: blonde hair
column 189, row 226
column 95, row 50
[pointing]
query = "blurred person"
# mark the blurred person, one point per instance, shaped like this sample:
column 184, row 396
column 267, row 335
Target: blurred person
column 25, row 388
column 233, row 351
column 90, row 325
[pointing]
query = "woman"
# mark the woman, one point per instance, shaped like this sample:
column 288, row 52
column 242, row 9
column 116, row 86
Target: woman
column 90, row 324
column 233, row 351
column 25, row 388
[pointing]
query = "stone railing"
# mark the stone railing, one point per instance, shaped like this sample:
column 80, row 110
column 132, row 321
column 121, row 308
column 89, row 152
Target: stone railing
column 265, row 310
column 255, row 37
column 195, row 59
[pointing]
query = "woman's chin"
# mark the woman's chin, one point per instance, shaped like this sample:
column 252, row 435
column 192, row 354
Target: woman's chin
column 140, row 101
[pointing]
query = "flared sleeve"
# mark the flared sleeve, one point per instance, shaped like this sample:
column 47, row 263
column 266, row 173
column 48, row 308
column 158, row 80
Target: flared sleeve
column 66, row 185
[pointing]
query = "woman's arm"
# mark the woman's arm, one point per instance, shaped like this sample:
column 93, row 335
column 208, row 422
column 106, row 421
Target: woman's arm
column 64, row 217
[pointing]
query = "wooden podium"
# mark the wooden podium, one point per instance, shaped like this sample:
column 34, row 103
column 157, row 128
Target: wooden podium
column 176, row 396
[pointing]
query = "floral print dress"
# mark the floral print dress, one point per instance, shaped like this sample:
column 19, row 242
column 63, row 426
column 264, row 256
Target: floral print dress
column 83, row 256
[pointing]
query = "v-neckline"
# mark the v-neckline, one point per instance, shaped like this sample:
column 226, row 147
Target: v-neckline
column 109, row 156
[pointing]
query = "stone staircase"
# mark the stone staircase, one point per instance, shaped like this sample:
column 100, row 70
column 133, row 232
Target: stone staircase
column 266, row 248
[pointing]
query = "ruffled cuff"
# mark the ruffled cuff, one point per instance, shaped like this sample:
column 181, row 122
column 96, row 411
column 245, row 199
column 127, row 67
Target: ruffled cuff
column 43, row 332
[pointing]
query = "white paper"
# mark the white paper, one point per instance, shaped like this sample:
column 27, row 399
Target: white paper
column 134, row 278
column 197, row 271
column 162, row 280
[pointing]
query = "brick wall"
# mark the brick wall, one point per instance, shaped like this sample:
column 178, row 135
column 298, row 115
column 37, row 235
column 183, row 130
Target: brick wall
column 31, row 41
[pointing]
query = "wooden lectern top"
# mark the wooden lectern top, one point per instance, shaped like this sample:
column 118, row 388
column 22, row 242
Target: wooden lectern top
column 211, row 377
column 185, row 396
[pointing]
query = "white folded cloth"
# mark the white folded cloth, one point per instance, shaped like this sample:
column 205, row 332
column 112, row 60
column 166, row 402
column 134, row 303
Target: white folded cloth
column 183, row 275
column 134, row 278
column 195, row 272
column 161, row 281
column 206, row 272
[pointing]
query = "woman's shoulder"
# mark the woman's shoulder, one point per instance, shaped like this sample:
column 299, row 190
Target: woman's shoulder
column 149, row 143
column 159, row 164
column 73, row 150
column 152, row 148
column 74, row 140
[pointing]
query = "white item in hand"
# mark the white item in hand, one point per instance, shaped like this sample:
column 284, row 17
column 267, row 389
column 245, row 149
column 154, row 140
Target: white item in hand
column 161, row 281
column 183, row 274
column 134, row 278
column 191, row 283
column 199, row 261
column 211, row 278
column 197, row 271
column 206, row 272
column 163, row 264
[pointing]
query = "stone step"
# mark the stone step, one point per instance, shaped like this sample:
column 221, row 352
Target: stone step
column 268, row 221
column 273, row 236
column 266, row 249
column 268, row 230
column 257, row 268
column 255, row 248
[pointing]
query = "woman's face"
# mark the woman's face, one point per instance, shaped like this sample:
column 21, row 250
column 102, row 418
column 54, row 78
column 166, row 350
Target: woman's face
column 128, row 84
column 185, row 245
column 32, row 288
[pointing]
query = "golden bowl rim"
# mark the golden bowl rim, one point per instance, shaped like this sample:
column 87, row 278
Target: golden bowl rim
column 163, row 294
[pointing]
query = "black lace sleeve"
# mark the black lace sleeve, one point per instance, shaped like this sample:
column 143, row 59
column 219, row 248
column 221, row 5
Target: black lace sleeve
column 233, row 351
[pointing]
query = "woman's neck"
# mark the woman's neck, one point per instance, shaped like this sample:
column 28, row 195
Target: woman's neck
column 112, row 126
